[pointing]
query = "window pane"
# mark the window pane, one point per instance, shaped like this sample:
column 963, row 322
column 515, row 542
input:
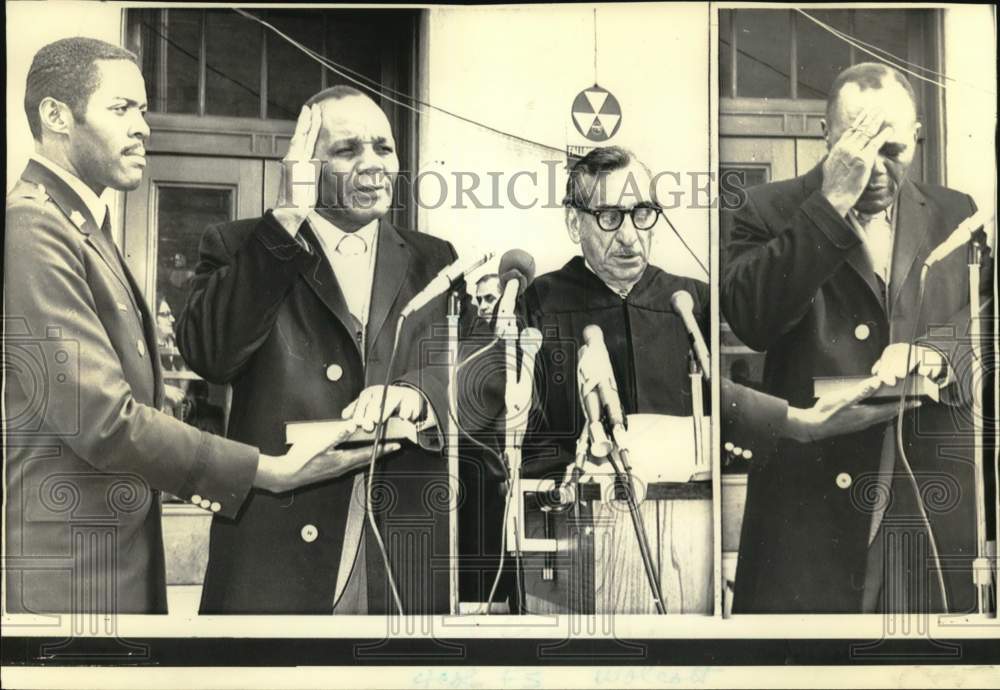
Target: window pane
column 144, row 40
column 725, row 53
column 182, row 214
column 168, row 42
column 183, row 39
column 886, row 29
column 764, row 53
column 354, row 39
column 292, row 77
column 821, row 55
column 233, row 48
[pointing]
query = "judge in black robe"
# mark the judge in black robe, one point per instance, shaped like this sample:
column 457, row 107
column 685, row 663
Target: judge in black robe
column 646, row 341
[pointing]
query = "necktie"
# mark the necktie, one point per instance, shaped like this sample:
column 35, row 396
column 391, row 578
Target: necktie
column 878, row 242
column 106, row 227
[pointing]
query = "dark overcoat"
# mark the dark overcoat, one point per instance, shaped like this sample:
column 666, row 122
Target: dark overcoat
column 797, row 282
column 267, row 316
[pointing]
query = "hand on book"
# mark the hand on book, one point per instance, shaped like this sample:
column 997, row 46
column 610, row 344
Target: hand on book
column 315, row 459
column 401, row 401
column 892, row 365
column 841, row 413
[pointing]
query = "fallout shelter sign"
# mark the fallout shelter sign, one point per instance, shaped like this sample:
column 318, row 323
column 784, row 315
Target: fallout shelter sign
column 596, row 113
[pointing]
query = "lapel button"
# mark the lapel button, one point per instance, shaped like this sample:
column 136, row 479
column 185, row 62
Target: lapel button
column 334, row 372
column 862, row 331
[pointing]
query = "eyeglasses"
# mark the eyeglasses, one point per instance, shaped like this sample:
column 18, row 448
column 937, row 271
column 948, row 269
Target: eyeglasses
column 644, row 216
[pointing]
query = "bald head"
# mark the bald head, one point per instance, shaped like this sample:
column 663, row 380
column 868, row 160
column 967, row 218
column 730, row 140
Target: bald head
column 866, row 76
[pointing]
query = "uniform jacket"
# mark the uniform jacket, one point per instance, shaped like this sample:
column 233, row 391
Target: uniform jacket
column 88, row 452
column 267, row 316
column 797, row 282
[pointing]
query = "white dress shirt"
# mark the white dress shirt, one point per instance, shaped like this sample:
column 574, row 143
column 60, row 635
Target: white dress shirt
column 352, row 257
column 98, row 209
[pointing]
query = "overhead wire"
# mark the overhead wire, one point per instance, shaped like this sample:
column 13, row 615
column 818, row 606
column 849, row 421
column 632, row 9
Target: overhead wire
column 382, row 91
column 890, row 58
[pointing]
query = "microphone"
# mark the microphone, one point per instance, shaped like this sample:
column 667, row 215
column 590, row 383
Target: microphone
column 517, row 270
column 520, row 385
column 441, row 282
column 961, row 235
column 683, row 304
column 531, row 343
column 588, row 376
column 597, row 365
column 517, row 264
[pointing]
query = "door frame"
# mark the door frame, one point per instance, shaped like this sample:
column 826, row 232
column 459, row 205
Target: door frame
column 141, row 231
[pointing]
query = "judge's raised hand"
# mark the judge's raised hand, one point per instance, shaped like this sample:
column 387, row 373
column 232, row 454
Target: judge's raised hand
column 300, row 172
column 839, row 414
column 401, row 401
column 900, row 359
column 848, row 165
column 314, row 460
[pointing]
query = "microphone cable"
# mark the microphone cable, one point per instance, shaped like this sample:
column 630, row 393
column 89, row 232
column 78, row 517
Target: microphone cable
column 502, row 463
column 686, row 246
column 379, row 432
column 911, row 477
column 503, row 466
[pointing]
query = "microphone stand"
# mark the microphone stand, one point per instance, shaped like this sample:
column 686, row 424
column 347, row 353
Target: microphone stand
column 619, row 458
column 508, row 332
column 517, row 399
column 981, row 573
column 454, row 311
column 701, row 462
